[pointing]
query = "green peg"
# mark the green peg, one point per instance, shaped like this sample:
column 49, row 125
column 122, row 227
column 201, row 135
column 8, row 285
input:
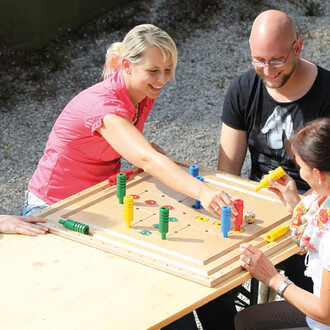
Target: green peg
column 75, row 225
column 121, row 187
column 163, row 221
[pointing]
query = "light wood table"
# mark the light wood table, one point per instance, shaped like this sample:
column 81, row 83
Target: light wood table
column 51, row 282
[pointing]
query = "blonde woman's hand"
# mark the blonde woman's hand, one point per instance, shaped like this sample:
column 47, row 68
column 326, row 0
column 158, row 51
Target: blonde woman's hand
column 213, row 200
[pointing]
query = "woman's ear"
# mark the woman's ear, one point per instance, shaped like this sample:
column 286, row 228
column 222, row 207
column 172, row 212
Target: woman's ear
column 126, row 65
column 319, row 175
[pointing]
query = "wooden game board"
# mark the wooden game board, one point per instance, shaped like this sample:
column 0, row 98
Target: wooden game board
column 194, row 247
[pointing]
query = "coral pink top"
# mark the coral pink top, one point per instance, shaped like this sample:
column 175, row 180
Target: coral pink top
column 76, row 155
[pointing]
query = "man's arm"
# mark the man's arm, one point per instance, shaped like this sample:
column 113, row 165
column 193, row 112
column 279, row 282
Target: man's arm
column 232, row 151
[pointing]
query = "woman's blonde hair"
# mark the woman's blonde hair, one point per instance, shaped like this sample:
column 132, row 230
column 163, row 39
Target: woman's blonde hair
column 137, row 40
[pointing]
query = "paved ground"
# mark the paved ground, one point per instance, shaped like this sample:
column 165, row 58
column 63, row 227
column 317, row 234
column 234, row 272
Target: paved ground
column 186, row 118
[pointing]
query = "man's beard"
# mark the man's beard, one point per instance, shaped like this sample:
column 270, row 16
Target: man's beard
column 284, row 80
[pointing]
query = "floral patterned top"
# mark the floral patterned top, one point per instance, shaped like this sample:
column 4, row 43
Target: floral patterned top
column 310, row 221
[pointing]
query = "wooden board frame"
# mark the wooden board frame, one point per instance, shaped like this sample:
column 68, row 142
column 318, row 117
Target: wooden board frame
column 192, row 250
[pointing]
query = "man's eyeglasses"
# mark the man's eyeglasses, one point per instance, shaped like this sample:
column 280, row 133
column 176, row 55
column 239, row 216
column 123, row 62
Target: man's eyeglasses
column 273, row 64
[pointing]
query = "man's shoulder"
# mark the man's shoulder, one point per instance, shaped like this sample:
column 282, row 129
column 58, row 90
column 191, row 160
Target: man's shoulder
column 247, row 76
column 245, row 84
column 323, row 73
column 246, row 80
column 321, row 84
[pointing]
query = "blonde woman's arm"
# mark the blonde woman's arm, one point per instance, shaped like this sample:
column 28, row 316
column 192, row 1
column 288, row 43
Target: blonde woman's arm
column 129, row 142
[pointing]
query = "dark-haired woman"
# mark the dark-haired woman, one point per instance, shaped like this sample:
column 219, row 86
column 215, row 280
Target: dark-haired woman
column 310, row 149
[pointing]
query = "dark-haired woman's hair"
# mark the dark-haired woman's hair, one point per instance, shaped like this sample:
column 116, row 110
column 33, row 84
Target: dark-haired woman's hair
column 312, row 144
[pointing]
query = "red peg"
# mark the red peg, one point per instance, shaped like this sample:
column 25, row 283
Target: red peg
column 239, row 205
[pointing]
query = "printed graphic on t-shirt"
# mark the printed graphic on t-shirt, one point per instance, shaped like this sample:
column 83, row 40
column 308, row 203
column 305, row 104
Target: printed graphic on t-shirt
column 278, row 128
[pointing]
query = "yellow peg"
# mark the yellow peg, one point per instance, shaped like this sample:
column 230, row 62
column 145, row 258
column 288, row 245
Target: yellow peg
column 276, row 174
column 276, row 233
column 128, row 210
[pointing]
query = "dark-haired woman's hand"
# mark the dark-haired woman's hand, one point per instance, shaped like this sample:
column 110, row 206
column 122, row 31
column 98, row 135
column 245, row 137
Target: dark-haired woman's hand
column 286, row 190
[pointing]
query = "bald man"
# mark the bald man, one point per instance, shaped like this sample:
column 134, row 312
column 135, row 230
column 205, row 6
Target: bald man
column 265, row 105
column 261, row 110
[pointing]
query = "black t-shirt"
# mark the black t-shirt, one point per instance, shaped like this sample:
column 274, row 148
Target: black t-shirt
column 249, row 107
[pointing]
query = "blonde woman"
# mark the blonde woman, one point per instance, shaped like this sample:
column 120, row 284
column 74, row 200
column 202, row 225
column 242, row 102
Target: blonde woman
column 105, row 122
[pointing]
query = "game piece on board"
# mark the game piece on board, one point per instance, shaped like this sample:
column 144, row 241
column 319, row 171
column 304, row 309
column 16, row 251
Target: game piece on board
column 197, row 204
column 128, row 210
column 121, row 187
column 75, row 226
column 163, row 221
column 239, row 205
column 194, row 170
column 225, row 220
column 276, row 233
